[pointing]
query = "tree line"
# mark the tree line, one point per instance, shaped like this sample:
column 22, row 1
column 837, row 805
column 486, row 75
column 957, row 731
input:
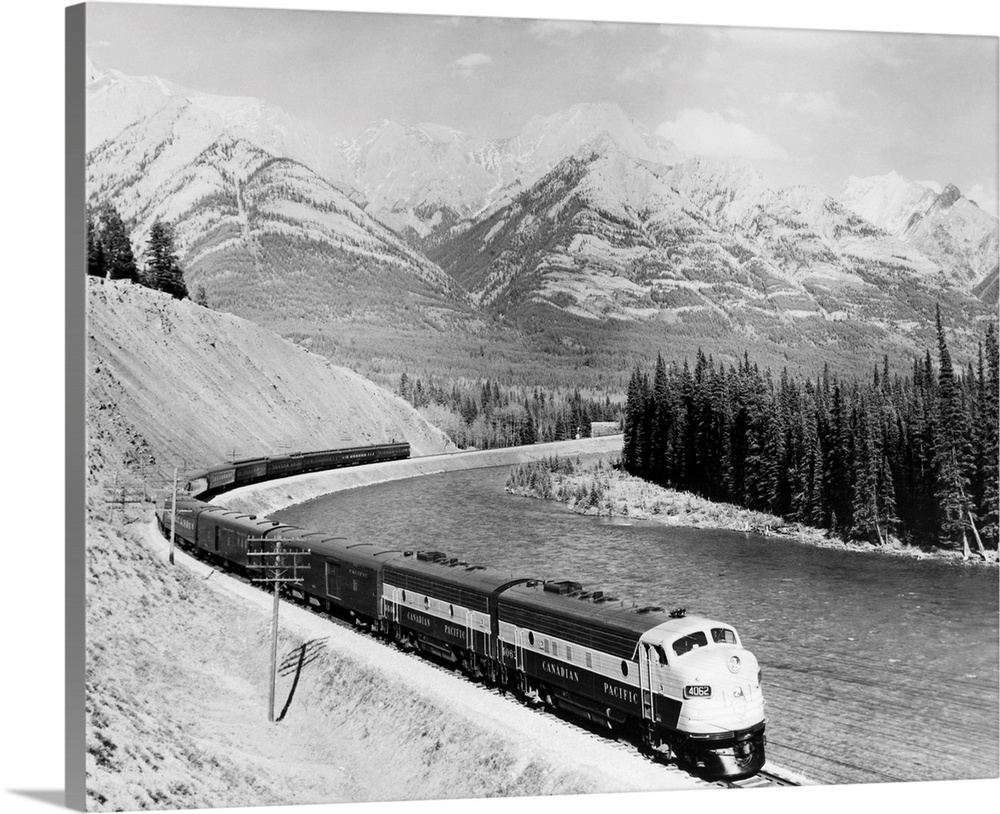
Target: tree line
column 912, row 458
column 110, row 255
column 486, row 414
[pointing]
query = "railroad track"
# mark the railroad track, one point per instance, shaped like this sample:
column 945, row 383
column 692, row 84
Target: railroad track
column 761, row 780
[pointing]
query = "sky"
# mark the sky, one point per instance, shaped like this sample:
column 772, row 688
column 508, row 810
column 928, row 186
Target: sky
column 35, row 334
column 806, row 107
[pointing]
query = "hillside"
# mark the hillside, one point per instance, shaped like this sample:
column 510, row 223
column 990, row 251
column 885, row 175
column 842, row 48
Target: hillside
column 170, row 383
column 704, row 249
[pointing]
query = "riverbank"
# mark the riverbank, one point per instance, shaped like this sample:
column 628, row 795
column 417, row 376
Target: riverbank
column 602, row 490
column 270, row 497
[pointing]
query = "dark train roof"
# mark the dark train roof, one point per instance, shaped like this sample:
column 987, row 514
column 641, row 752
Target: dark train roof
column 439, row 568
column 561, row 609
column 247, row 523
column 185, row 502
column 323, row 544
column 567, row 600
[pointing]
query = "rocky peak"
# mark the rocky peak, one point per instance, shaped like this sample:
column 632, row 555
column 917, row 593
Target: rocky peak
column 948, row 197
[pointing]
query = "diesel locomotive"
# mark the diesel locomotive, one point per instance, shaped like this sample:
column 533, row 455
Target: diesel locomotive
column 682, row 686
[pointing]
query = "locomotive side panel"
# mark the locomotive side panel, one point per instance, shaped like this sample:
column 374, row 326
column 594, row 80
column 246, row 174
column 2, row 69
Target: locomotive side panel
column 598, row 679
column 439, row 609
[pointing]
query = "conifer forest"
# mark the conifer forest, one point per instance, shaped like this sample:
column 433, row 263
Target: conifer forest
column 910, row 457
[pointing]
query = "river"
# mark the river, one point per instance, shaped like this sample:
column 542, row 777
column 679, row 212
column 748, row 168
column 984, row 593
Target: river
column 875, row 668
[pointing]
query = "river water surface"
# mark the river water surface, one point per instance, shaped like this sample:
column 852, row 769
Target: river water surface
column 875, row 668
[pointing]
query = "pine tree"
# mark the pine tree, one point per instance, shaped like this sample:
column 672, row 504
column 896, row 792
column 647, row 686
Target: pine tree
column 117, row 247
column 989, row 455
column 96, row 263
column 201, row 296
column 720, row 425
column 164, row 271
column 528, row 432
column 807, row 474
column 662, row 415
column 837, row 471
column 952, row 453
column 632, row 425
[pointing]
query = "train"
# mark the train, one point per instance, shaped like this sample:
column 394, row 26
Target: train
column 231, row 475
column 683, row 687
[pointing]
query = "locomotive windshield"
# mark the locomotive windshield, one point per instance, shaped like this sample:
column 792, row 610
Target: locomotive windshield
column 690, row 642
column 720, row 635
column 723, row 635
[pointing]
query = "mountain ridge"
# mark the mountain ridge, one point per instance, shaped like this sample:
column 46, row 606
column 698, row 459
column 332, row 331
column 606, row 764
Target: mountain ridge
column 583, row 213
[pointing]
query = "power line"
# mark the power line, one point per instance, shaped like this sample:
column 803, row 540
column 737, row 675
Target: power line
column 276, row 566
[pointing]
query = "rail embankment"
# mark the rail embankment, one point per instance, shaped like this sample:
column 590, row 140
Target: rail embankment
column 272, row 496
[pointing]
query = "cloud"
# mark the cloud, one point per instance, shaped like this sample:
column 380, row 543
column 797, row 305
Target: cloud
column 467, row 65
column 99, row 44
column 985, row 196
column 560, row 29
column 648, row 65
column 822, row 106
column 707, row 133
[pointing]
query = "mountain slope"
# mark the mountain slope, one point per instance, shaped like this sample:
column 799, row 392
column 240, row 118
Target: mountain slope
column 159, row 368
column 582, row 215
column 116, row 100
column 946, row 227
column 255, row 228
column 424, row 179
column 700, row 243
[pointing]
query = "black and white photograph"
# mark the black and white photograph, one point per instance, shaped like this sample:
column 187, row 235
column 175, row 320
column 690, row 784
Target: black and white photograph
column 477, row 404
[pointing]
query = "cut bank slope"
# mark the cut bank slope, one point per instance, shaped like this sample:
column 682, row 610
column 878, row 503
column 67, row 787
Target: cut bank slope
column 171, row 383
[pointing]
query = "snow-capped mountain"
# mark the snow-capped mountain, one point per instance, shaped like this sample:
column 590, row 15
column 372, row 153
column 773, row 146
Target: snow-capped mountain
column 116, row 100
column 582, row 212
column 945, row 226
column 426, row 177
column 605, row 234
column 888, row 201
column 544, row 141
column 230, row 175
column 418, row 179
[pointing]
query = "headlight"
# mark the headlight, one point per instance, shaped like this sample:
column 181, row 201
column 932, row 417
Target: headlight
column 734, row 664
column 697, row 691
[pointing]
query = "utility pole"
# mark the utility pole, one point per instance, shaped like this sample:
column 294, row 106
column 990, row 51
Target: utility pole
column 173, row 517
column 122, row 494
column 279, row 567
